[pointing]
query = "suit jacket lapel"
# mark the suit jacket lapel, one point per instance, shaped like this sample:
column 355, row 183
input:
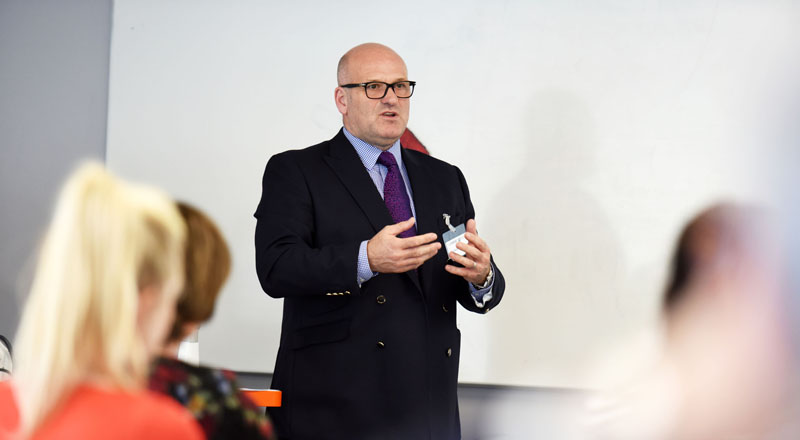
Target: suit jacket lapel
column 345, row 163
column 424, row 204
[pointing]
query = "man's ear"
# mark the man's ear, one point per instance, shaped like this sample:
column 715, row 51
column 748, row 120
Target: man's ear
column 341, row 100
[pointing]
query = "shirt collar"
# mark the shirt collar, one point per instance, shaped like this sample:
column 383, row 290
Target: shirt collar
column 369, row 153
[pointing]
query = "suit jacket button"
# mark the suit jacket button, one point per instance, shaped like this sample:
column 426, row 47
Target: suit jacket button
column 381, row 299
column 449, row 352
column 444, row 308
column 381, row 344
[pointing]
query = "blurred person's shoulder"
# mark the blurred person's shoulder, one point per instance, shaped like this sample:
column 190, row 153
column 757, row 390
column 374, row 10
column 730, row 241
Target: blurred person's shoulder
column 215, row 397
column 9, row 415
column 635, row 391
column 92, row 412
column 646, row 407
column 174, row 421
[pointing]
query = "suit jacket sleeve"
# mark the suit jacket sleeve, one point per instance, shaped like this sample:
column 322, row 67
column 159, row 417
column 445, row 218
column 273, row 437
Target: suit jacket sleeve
column 287, row 262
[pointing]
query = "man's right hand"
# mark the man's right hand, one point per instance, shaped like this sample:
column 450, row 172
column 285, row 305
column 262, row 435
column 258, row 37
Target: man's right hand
column 387, row 253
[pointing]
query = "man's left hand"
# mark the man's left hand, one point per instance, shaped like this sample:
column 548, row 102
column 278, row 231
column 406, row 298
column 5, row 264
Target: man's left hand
column 476, row 262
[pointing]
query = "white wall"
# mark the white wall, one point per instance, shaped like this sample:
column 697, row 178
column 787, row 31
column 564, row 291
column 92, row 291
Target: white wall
column 588, row 132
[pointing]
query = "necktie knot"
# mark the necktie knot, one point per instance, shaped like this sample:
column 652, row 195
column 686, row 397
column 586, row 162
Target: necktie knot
column 387, row 159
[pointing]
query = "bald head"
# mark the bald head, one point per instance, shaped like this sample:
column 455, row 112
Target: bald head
column 361, row 54
column 376, row 121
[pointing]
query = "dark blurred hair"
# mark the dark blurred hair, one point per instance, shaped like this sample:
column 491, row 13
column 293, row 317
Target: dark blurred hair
column 6, row 343
column 207, row 265
column 717, row 239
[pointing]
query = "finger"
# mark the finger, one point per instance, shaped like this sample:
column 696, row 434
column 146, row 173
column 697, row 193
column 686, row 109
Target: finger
column 417, row 240
column 460, row 271
column 468, row 264
column 433, row 248
column 397, row 228
column 473, row 252
column 424, row 252
column 419, row 251
column 418, row 261
column 477, row 241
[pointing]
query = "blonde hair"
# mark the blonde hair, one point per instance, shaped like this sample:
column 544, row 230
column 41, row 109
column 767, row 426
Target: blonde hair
column 108, row 239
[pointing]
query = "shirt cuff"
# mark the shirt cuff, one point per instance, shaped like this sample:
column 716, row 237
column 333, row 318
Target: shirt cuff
column 364, row 273
column 482, row 296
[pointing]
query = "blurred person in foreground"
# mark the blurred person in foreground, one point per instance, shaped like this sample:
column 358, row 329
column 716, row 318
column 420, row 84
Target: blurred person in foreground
column 108, row 274
column 727, row 368
column 211, row 395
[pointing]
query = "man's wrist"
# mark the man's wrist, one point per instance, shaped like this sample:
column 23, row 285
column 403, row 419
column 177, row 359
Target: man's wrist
column 488, row 281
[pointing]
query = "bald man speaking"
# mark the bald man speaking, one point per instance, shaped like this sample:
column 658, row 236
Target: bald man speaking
column 370, row 246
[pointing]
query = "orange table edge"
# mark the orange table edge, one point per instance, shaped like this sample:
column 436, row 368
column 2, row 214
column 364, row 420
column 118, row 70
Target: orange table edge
column 270, row 398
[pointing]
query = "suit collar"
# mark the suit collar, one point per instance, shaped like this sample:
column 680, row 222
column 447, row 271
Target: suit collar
column 369, row 153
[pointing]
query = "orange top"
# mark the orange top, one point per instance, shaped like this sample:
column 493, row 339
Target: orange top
column 94, row 413
column 271, row 398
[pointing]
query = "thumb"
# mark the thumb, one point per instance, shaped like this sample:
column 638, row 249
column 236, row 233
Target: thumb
column 472, row 226
column 398, row 228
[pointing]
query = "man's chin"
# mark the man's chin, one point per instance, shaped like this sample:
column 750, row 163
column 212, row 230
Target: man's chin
column 390, row 136
column 383, row 138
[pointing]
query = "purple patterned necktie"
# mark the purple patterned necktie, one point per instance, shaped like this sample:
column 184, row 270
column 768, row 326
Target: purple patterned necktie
column 394, row 193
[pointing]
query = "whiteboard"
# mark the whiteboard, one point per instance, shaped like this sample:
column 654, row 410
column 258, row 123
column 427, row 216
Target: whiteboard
column 588, row 131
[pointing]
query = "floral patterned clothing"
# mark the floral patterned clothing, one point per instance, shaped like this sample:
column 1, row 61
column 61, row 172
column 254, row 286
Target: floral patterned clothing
column 213, row 397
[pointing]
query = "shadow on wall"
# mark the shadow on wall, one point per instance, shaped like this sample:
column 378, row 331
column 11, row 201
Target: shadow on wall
column 561, row 255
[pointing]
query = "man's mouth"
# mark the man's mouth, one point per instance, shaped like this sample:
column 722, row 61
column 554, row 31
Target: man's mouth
column 389, row 114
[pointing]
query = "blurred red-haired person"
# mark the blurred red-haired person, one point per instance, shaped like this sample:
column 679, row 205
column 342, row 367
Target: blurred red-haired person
column 212, row 395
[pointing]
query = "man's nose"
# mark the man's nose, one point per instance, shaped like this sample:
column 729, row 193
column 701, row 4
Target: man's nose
column 390, row 97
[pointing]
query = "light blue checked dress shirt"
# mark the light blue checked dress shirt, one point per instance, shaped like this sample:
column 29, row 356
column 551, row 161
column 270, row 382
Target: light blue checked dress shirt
column 369, row 157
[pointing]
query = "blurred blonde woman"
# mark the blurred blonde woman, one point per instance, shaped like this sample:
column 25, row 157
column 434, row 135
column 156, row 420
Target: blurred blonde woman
column 108, row 275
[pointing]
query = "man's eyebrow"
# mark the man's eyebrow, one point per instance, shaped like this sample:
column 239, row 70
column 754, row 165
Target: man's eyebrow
column 391, row 82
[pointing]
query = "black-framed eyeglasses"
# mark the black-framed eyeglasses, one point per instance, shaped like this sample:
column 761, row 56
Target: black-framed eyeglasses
column 378, row 89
